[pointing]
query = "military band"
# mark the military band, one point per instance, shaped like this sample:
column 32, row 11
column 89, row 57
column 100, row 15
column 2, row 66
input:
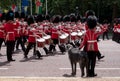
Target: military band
column 17, row 29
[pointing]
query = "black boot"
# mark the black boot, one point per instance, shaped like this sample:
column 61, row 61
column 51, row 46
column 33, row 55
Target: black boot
column 46, row 50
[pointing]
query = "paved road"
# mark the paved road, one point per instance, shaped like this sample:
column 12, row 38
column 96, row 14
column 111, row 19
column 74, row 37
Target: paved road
column 58, row 65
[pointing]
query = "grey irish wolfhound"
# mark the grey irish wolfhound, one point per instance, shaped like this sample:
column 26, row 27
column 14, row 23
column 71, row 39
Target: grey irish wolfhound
column 77, row 56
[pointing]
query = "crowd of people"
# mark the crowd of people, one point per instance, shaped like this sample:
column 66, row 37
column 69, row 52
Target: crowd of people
column 38, row 31
column 116, row 31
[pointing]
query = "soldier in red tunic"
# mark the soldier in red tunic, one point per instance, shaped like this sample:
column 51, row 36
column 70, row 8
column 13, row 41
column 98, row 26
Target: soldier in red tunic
column 2, row 35
column 2, row 31
column 31, row 38
column 90, row 43
column 54, row 34
column 92, row 13
column 18, row 32
column 105, row 27
column 10, row 36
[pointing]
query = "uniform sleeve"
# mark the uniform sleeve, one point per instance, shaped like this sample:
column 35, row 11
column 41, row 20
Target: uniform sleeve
column 100, row 32
column 83, row 42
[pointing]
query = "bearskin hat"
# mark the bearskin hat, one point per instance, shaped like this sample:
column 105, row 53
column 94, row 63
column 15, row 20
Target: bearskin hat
column 61, row 18
column 9, row 15
column 17, row 15
column 30, row 20
column 56, row 19
column 22, row 15
column 43, row 16
column 39, row 18
column 91, row 22
column 78, row 17
column 3, row 17
column 89, row 12
column 47, row 17
column 0, row 16
column 66, row 18
column 72, row 18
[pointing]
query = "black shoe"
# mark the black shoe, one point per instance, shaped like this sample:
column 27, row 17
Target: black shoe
column 25, row 56
column 101, row 57
column 11, row 60
column 93, row 75
column 1, row 54
column 17, row 49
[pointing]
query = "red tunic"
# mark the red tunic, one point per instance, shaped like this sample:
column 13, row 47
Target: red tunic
column 31, row 37
column 9, row 29
column 24, row 30
column 2, row 32
column 48, row 31
column 17, row 30
column 54, row 34
column 66, row 30
column 117, row 28
column 90, row 37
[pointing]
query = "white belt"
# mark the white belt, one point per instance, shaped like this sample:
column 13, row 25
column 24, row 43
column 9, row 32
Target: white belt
column 55, row 32
column 91, row 41
column 10, row 32
column 16, row 29
column 32, row 35
column 1, row 31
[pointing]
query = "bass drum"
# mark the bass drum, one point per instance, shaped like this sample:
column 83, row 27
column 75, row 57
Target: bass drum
column 63, row 38
column 41, row 42
column 73, row 35
column 79, row 34
column 47, row 39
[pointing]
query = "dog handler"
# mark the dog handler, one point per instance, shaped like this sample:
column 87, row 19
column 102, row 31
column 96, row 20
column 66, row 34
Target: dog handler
column 90, row 44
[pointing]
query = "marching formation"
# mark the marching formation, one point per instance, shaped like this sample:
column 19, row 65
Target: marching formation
column 39, row 31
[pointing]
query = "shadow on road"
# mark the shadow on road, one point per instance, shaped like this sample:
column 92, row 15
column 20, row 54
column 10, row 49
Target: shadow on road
column 4, row 63
column 30, row 59
column 67, row 75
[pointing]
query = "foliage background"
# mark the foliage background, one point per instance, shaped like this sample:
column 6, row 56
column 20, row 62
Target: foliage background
column 104, row 9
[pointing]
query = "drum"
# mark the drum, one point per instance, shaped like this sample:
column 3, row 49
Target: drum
column 73, row 35
column 63, row 38
column 41, row 42
column 66, row 34
column 47, row 39
column 83, row 32
column 118, row 30
column 79, row 34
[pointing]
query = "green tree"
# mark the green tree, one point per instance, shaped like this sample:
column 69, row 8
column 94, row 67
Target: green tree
column 104, row 9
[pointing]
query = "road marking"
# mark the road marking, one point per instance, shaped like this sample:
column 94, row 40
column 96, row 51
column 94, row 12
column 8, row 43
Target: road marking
column 22, row 77
column 108, row 68
column 3, row 68
column 95, row 68
column 45, row 77
column 12, row 77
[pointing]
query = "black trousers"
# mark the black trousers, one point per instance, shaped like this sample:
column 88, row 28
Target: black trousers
column 30, row 45
column 24, row 39
column 91, row 62
column 105, row 34
column 53, row 45
column 10, row 46
column 98, row 54
column 19, row 41
column 55, row 41
column 1, row 41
